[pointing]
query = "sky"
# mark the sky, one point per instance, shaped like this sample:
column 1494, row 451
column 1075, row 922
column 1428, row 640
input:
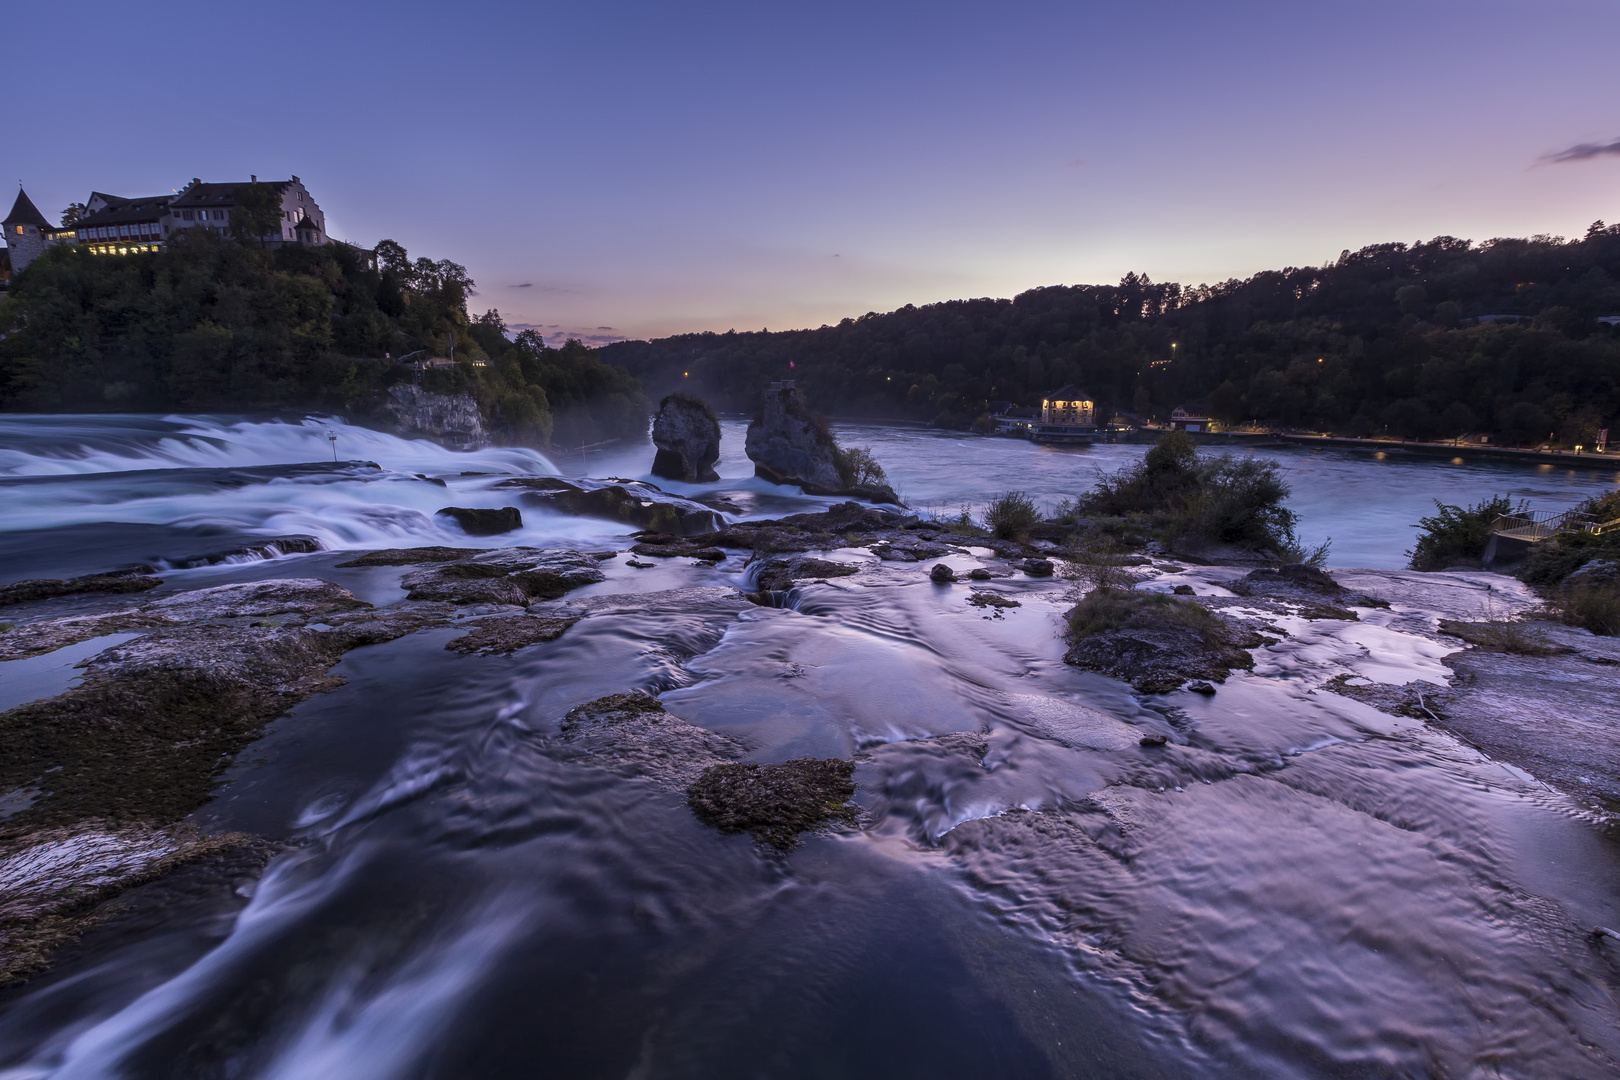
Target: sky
column 634, row 168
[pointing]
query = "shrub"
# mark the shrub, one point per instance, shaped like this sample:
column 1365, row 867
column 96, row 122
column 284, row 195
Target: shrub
column 1293, row 550
column 1165, row 477
column 1107, row 609
column 1592, row 607
column 1233, row 500
column 1457, row 535
column 1500, row 635
column 1239, row 501
column 1011, row 515
column 1096, row 559
column 858, row 468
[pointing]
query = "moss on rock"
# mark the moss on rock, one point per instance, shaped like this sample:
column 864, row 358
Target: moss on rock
column 774, row 803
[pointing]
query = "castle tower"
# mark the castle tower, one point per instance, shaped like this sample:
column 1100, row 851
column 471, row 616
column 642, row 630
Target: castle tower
column 25, row 232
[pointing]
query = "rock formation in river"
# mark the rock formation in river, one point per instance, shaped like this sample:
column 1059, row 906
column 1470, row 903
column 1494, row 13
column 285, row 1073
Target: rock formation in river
column 634, row 502
column 453, row 418
column 789, row 444
column 479, row 521
column 687, row 435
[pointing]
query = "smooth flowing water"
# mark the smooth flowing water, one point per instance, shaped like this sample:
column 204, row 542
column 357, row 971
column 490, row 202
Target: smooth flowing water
column 1298, row 885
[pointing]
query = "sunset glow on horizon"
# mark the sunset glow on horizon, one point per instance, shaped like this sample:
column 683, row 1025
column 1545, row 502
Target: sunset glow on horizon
column 644, row 169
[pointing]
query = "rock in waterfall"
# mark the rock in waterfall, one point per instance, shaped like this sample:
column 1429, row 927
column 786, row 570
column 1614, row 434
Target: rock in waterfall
column 687, row 435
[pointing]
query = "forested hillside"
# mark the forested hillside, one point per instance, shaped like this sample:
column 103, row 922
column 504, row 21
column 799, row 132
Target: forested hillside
column 215, row 323
column 1388, row 338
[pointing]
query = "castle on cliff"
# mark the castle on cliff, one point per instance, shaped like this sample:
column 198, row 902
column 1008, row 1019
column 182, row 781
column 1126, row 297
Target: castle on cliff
column 115, row 225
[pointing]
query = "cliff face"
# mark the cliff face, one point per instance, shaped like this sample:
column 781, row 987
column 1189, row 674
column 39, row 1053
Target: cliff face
column 788, row 447
column 453, row 418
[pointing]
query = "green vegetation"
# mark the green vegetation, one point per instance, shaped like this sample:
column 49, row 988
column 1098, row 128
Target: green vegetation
column 1011, row 516
column 1500, row 635
column 224, row 324
column 1108, row 609
column 1591, row 607
column 1385, row 339
column 1562, row 569
column 1189, row 495
column 1577, row 572
column 1457, row 536
column 858, row 468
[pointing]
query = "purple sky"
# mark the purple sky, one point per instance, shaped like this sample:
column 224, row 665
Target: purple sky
column 631, row 168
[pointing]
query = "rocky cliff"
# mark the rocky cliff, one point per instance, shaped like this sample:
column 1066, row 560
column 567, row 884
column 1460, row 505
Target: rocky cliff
column 452, row 418
column 789, row 445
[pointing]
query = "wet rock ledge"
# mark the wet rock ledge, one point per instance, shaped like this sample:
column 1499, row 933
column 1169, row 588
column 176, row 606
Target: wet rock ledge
column 632, row 734
column 95, row 782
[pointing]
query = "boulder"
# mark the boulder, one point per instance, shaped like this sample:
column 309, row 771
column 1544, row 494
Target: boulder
column 41, row 589
column 514, row 576
column 790, row 445
column 1595, row 572
column 1038, row 567
column 633, row 502
column 941, row 574
column 454, row 418
column 687, row 435
column 775, row 803
column 480, row 522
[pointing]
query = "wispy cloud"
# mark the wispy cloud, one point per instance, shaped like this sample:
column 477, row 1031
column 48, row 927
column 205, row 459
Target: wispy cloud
column 1585, row 151
column 525, row 285
column 1076, row 163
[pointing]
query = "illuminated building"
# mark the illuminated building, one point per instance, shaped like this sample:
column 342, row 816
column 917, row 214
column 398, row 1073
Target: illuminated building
column 115, row 225
column 1070, row 405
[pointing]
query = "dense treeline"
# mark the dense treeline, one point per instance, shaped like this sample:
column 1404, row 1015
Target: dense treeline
column 1388, row 338
column 219, row 324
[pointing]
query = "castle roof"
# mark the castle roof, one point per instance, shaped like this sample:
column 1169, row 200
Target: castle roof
column 305, row 223
column 24, row 212
column 1070, row 392
column 199, row 194
column 121, row 211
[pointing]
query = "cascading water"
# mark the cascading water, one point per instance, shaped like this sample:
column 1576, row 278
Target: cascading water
column 1295, row 884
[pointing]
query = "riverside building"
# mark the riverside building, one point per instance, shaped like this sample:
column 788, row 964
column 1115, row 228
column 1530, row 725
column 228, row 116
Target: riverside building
column 116, row 225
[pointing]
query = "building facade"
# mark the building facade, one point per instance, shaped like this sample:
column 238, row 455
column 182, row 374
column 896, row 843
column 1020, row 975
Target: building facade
column 1070, row 405
column 1194, row 420
column 116, row 225
column 27, row 232
column 210, row 206
column 112, row 225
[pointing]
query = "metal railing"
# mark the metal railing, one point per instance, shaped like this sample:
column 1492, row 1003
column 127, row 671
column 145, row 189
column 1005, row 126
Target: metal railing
column 1541, row 524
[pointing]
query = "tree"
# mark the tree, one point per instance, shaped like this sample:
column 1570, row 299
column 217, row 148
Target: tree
column 74, row 214
column 257, row 213
column 392, row 259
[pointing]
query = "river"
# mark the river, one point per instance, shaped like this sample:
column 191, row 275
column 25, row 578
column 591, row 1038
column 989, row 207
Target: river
column 1306, row 887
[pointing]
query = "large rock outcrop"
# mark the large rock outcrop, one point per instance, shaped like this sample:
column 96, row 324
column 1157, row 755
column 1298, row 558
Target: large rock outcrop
column 790, row 445
column 687, row 435
column 452, row 418
column 633, row 502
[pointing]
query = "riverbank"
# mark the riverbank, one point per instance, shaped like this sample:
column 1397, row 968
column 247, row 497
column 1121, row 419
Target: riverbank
column 1605, row 462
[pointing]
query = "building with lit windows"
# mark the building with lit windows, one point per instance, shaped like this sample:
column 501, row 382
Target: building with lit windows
column 1070, row 405
column 115, row 225
column 112, row 225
